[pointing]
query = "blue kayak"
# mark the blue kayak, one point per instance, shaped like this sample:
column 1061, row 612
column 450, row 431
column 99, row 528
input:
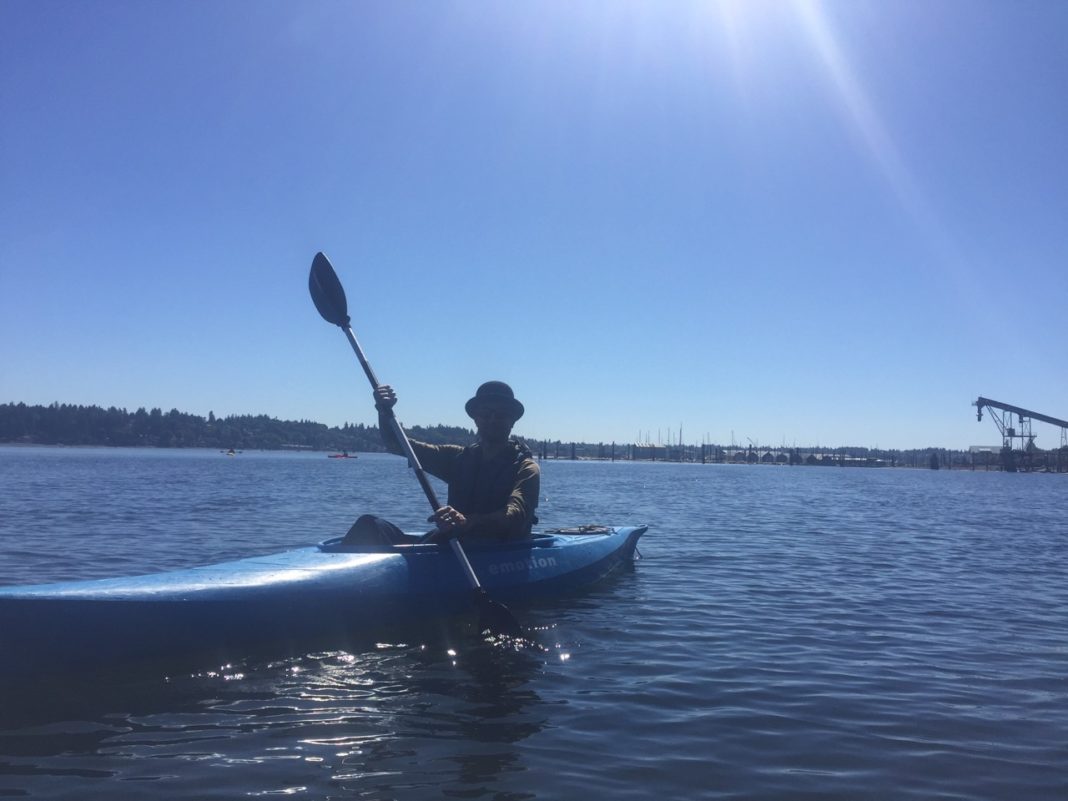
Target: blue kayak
column 328, row 588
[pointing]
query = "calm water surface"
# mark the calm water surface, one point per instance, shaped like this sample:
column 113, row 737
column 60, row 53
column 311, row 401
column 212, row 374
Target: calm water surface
column 790, row 633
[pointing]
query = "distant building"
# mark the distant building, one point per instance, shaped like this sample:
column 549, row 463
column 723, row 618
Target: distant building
column 985, row 454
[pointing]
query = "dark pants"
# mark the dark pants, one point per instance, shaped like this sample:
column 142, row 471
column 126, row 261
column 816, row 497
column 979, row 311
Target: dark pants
column 369, row 530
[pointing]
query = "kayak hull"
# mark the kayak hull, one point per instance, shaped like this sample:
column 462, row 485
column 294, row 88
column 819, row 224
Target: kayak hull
column 293, row 597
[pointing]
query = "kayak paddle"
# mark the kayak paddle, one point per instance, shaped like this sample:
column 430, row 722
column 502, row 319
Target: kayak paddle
column 329, row 298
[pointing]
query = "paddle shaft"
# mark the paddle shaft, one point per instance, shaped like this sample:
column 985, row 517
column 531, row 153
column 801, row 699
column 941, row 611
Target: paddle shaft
column 402, row 438
column 329, row 298
column 413, row 460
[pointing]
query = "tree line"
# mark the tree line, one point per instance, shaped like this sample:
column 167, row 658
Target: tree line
column 67, row 424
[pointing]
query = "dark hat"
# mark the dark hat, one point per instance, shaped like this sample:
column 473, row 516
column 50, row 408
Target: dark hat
column 496, row 393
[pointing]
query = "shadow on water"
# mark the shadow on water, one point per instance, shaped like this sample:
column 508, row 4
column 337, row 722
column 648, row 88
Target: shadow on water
column 388, row 720
column 457, row 727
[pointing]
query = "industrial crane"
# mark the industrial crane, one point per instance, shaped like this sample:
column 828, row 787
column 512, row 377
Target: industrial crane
column 1002, row 413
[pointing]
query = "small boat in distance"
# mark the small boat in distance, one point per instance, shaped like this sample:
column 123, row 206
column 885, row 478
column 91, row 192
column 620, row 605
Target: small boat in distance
column 342, row 455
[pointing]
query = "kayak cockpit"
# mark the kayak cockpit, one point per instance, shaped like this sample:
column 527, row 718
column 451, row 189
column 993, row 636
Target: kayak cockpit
column 339, row 545
column 545, row 539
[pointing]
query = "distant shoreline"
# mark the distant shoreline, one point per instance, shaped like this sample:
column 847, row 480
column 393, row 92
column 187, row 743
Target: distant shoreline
column 829, row 462
column 72, row 426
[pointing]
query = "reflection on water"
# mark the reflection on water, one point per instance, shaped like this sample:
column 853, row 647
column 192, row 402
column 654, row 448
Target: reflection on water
column 391, row 722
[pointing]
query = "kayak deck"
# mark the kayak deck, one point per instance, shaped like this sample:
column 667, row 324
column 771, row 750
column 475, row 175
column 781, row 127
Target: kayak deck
column 286, row 596
column 332, row 566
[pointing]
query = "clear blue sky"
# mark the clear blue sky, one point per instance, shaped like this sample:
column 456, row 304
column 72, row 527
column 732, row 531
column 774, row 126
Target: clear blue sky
column 833, row 223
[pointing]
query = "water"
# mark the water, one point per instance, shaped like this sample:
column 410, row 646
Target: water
column 790, row 633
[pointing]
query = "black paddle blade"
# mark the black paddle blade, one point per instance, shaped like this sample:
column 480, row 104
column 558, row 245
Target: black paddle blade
column 326, row 291
column 495, row 618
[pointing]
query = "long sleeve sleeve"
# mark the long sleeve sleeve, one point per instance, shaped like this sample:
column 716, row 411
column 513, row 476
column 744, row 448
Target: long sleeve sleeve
column 434, row 459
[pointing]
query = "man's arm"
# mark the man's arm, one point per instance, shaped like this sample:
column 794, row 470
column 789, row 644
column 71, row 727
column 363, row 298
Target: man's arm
column 434, row 459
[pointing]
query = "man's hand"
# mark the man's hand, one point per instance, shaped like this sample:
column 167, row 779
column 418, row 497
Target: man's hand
column 448, row 519
column 385, row 397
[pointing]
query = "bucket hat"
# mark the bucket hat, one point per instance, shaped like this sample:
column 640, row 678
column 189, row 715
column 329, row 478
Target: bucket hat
column 494, row 393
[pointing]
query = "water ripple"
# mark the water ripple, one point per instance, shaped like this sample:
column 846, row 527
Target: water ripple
column 790, row 634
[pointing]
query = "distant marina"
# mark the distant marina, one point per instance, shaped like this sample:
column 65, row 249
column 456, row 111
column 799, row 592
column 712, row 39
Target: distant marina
column 1017, row 452
column 975, row 458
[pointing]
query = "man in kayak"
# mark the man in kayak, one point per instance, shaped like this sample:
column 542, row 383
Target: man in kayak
column 493, row 484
